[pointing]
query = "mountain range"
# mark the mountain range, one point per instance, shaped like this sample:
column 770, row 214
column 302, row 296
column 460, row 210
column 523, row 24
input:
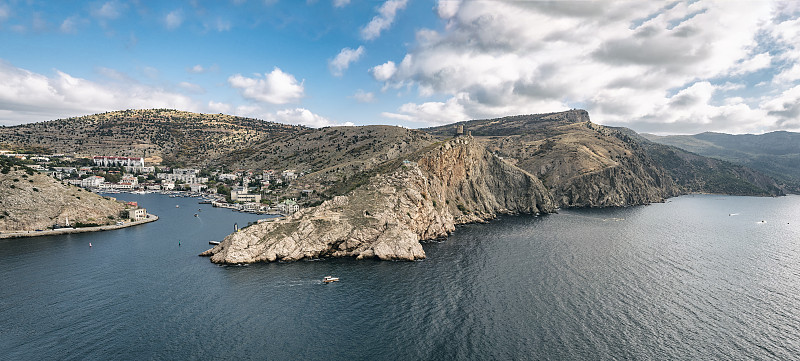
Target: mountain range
column 776, row 154
column 384, row 189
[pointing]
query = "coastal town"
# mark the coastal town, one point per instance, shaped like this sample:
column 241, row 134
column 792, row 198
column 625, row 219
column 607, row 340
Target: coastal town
column 253, row 191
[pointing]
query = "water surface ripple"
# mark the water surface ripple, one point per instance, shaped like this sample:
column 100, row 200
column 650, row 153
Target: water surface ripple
column 698, row 277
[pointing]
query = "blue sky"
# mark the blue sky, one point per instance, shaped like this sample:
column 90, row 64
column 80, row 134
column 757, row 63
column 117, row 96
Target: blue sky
column 661, row 67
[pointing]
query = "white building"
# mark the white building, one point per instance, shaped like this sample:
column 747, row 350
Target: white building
column 253, row 207
column 197, row 187
column 188, row 176
column 138, row 214
column 103, row 161
column 241, row 195
column 92, row 182
column 227, row 176
column 288, row 206
column 289, row 175
column 139, row 169
column 123, row 186
column 133, row 180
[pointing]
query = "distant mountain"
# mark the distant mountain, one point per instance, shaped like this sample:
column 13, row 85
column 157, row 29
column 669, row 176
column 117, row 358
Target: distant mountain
column 776, row 154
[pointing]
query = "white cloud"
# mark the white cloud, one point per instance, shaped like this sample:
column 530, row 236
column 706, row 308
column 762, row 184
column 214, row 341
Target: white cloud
column 758, row 62
column 109, row 10
column 386, row 14
column 196, row 69
column 26, row 96
column 39, row 23
column 174, row 19
column 786, row 108
column 364, row 97
column 384, row 71
column 300, row 116
column 5, row 12
column 199, row 69
column 340, row 3
column 191, row 87
column 342, row 61
column 432, row 112
column 447, row 8
column 788, row 75
column 619, row 60
column 218, row 107
column 69, row 26
column 276, row 87
column 304, row 117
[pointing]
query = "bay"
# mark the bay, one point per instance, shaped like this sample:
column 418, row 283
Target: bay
column 697, row 277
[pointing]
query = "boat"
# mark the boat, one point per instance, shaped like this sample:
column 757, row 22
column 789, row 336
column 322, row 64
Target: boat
column 195, row 214
column 329, row 279
column 213, row 242
column 177, row 206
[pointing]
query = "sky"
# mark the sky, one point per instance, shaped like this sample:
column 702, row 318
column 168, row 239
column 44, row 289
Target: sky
column 660, row 67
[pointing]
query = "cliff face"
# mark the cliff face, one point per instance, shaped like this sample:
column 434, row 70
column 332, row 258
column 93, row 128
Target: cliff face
column 36, row 201
column 582, row 164
column 425, row 198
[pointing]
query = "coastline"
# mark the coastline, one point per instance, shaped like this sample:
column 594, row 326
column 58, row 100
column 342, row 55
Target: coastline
column 60, row 231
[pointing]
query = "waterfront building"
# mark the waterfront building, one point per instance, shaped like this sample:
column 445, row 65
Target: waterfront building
column 104, row 161
column 92, row 181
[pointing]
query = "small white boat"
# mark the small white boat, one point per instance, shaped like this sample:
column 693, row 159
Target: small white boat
column 213, row 242
column 329, row 279
column 177, row 206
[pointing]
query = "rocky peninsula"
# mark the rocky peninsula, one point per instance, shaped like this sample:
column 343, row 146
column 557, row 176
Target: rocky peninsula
column 521, row 164
column 425, row 197
column 31, row 201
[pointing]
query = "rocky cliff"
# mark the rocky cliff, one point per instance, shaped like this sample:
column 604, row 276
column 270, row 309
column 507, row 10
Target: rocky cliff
column 424, row 197
column 30, row 201
column 589, row 165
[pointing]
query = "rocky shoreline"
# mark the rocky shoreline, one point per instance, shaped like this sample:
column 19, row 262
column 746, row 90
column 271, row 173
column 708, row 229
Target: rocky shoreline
column 60, row 231
column 456, row 182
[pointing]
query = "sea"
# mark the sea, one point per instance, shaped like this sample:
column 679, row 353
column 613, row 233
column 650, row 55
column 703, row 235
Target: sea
column 699, row 277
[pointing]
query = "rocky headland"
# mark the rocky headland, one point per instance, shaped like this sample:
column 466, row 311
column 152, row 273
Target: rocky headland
column 522, row 164
column 424, row 197
column 30, row 200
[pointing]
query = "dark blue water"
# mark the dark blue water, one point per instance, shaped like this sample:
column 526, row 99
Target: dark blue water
column 680, row 280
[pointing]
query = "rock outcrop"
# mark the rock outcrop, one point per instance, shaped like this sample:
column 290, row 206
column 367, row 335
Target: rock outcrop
column 30, row 200
column 452, row 183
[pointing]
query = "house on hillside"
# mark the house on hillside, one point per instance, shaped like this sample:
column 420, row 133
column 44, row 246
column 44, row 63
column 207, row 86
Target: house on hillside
column 289, row 175
column 288, row 206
